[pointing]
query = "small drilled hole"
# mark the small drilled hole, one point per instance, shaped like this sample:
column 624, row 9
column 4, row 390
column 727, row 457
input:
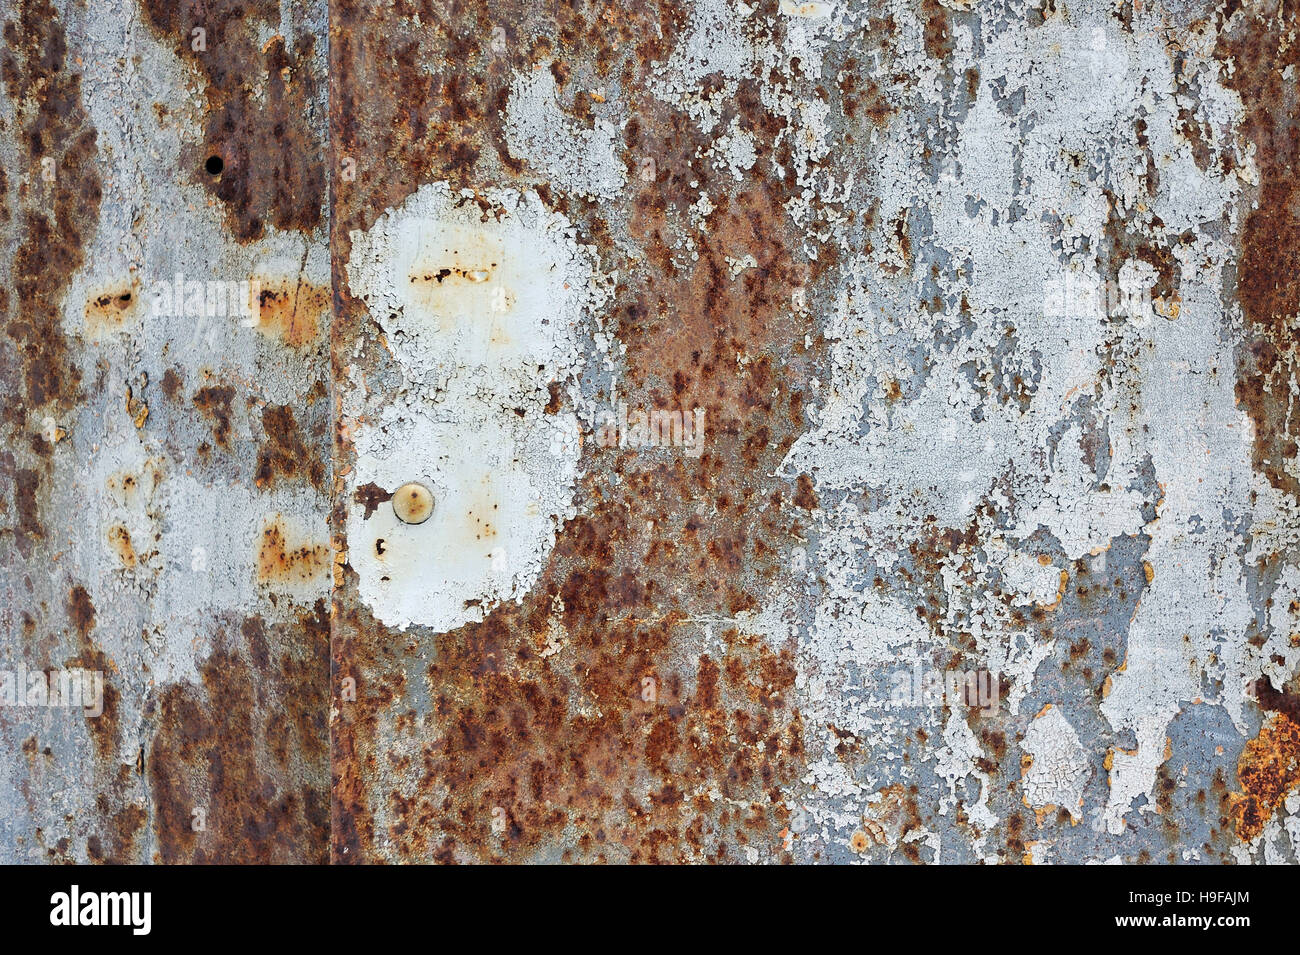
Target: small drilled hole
column 214, row 165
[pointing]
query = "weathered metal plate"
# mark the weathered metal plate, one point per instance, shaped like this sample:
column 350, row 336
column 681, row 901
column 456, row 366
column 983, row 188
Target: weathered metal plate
column 166, row 472
column 827, row 432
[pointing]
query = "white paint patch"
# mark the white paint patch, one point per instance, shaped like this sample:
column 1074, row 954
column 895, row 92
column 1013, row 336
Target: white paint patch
column 1059, row 769
column 715, row 42
column 955, row 762
column 483, row 310
column 812, row 11
column 1029, row 578
column 578, row 160
column 913, row 428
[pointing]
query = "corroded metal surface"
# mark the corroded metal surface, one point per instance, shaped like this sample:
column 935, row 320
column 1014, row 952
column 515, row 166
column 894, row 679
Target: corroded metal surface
column 166, row 471
column 700, row 431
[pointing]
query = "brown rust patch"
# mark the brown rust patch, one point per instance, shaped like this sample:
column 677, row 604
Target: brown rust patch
column 214, row 401
column 173, row 380
column 27, row 483
column 106, row 728
column 57, row 215
column 291, row 311
column 1260, row 44
column 285, row 455
column 860, row 93
column 371, row 496
column 284, row 560
column 805, row 495
column 938, row 30
column 118, row 845
column 262, row 155
column 1267, row 771
column 629, row 773
column 46, row 219
column 248, row 747
column 81, row 612
column 1280, row 701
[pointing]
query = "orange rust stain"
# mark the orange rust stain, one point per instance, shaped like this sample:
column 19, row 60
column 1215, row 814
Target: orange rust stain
column 445, row 278
column 123, row 485
column 1268, row 771
column 119, row 538
column 1259, row 45
column 1041, row 813
column 280, row 560
column 136, row 408
column 290, row 310
column 111, row 308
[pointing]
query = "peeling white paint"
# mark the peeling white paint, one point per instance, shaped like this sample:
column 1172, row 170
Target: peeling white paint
column 1059, row 767
column 482, row 311
column 578, row 160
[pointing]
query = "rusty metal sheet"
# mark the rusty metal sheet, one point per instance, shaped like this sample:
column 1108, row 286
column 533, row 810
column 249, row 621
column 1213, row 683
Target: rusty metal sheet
column 698, row 431
column 166, row 465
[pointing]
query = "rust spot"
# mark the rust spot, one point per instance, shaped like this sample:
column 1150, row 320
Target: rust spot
column 1267, row 771
column 291, row 311
column 284, row 454
column 136, row 409
column 173, row 380
column 27, row 483
column 214, row 401
column 553, row 402
column 119, row 539
column 281, row 560
column 105, row 729
column 371, row 496
column 261, row 99
column 1259, row 45
column 124, row 828
column 861, row 93
column 938, row 30
column 1282, row 701
column 805, row 496
column 81, row 612
column 111, row 309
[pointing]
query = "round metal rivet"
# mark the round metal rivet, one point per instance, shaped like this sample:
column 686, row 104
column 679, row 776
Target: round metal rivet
column 413, row 503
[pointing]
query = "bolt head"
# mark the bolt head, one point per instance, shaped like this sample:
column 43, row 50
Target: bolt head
column 413, row 503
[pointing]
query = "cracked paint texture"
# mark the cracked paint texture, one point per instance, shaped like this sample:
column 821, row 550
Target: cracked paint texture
column 990, row 550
